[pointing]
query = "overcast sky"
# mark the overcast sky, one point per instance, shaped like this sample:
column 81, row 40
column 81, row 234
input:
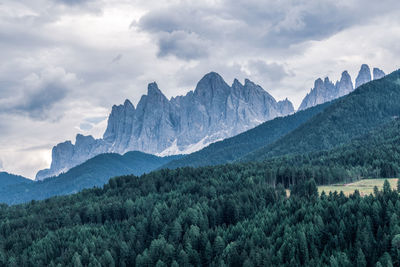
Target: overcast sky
column 64, row 63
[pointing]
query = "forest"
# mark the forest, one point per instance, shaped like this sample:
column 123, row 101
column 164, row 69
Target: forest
column 227, row 215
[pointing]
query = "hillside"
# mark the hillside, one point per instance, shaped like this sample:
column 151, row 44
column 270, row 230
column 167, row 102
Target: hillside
column 233, row 148
column 7, row 179
column 94, row 172
column 373, row 155
column 369, row 106
column 221, row 216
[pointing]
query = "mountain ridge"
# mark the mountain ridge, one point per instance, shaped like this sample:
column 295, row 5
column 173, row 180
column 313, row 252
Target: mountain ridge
column 213, row 111
column 325, row 90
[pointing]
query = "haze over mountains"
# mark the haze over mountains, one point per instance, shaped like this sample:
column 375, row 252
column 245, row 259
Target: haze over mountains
column 181, row 125
column 325, row 90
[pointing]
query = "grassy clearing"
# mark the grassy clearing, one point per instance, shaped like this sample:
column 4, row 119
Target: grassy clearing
column 365, row 186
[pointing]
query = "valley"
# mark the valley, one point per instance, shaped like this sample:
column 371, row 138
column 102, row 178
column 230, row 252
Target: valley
column 365, row 186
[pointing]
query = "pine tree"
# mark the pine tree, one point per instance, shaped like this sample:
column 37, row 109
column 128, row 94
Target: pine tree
column 361, row 262
column 76, row 260
column 386, row 187
column 108, row 259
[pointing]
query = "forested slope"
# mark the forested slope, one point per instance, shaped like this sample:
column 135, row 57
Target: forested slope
column 222, row 216
column 94, row 172
column 7, row 179
column 369, row 106
column 373, row 155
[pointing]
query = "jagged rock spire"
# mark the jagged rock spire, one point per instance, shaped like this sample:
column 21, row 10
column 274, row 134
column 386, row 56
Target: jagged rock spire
column 364, row 75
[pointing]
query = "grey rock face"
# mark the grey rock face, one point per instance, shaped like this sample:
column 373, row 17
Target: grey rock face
column 66, row 155
column 378, row 73
column 324, row 91
column 345, row 85
column 285, row 106
column 364, row 75
column 184, row 124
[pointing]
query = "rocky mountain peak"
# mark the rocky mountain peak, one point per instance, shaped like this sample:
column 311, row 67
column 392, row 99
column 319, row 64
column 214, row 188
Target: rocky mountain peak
column 153, row 90
column 83, row 139
column 286, row 106
column 318, row 83
column 236, row 85
column 211, row 83
column 128, row 104
column 364, row 75
column 345, row 76
column 325, row 90
column 248, row 82
column 345, row 85
column 236, row 82
column 378, row 73
column 251, row 86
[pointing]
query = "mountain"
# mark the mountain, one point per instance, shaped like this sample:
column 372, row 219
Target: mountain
column 324, row 91
column 94, row 172
column 231, row 149
column 181, row 125
column 369, row 106
column 363, row 76
column 7, row 179
column 378, row 74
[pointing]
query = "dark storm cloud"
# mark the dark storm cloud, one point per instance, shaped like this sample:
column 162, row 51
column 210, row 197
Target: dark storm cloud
column 37, row 103
column 272, row 71
column 260, row 25
column 182, row 44
column 37, row 94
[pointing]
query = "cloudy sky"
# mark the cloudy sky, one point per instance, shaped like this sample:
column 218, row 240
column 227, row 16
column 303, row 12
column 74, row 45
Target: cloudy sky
column 64, row 63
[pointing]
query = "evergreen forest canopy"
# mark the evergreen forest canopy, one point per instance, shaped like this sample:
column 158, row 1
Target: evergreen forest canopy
column 228, row 215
